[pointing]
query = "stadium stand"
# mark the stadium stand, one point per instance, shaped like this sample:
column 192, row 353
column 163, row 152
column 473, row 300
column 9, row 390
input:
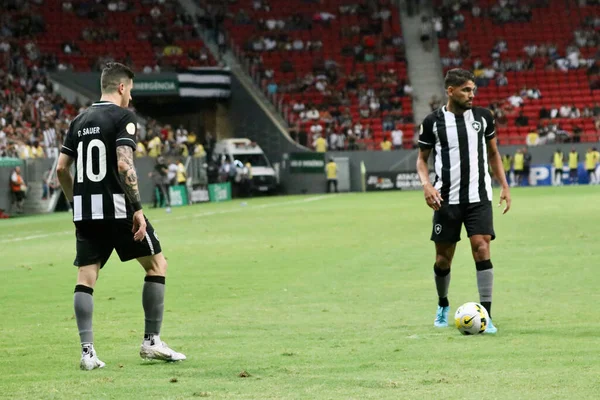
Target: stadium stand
column 538, row 57
column 34, row 119
column 151, row 35
column 338, row 68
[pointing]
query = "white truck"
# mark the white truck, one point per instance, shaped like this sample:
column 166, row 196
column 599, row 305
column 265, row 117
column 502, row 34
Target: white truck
column 242, row 151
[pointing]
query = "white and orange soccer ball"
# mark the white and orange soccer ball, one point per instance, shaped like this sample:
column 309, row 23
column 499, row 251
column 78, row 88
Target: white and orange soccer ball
column 471, row 318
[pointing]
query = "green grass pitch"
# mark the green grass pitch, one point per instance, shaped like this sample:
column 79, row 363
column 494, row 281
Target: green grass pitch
column 316, row 297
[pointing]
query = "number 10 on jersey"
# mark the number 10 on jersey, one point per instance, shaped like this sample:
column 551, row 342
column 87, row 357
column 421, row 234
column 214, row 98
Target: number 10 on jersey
column 89, row 161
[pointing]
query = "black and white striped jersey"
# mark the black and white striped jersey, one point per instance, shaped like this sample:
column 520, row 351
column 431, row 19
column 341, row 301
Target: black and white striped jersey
column 92, row 140
column 459, row 144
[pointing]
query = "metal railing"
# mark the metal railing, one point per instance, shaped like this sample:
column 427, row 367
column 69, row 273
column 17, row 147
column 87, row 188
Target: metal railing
column 275, row 99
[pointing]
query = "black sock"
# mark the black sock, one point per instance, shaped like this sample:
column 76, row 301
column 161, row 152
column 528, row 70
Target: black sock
column 485, row 283
column 442, row 282
column 488, row 306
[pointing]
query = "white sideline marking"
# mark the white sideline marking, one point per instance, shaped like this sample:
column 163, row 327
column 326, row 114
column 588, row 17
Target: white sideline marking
column 246, row 208
column 204, row 214
column 20, row 239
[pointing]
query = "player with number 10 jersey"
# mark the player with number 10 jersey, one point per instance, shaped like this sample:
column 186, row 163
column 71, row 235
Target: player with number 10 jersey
column 107, row 211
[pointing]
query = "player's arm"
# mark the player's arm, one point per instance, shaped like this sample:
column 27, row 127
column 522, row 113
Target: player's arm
column 128, row 175
column 432, row 196
column 63, row 172
column 426, row 143
column 498, row 171
column 65, row 160
column 129, row 183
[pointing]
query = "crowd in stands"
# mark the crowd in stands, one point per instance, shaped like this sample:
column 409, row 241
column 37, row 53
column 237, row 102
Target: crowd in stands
column 449, row 20
column 153, row 35
column 335, row 97
column 502, row 65
column 34, row 119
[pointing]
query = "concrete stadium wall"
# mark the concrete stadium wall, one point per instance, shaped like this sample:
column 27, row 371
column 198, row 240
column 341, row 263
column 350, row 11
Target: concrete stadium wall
column 250, row 120
column 5, row 198
column 401, row 161
column 375, row 161
column 31, row 170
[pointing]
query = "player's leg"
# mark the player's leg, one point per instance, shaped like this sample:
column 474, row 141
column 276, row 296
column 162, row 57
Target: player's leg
column 447, row 223
column 92, row 253
column 83, row 303
column 480, row 247
column 441, row 271
column 153, row 299
column 480, row 228
column 148, row 252
column 166, row 193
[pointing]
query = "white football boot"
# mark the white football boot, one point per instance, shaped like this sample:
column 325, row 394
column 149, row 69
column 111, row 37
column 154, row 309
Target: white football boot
column 89, row 359
column 155, row 349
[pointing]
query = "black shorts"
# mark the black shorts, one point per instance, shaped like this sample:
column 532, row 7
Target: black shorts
column 19, row 196
column 97, row 239
column 448, row 221
column 573, row 172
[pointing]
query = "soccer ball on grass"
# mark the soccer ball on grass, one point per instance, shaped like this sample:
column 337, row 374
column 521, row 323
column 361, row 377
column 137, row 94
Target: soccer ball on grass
column 471, row 318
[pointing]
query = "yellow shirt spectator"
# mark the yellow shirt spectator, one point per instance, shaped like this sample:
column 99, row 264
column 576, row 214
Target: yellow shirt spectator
column 181, row 174
column 321, row 145
column 154, row 147
column 172, row 51
column 38, row 152
column 25, row 152
column 590, row 161
column 518, row 162
column 185, row 152
column 506, row 159
column 331, row 169
column 573, row 160
column 199, row 151
column 386, row 145
column 140, row 150
column 558, row 160
column 248, row 170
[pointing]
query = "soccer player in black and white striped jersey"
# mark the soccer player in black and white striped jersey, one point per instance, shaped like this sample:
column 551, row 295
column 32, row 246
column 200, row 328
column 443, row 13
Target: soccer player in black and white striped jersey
column 463, row 141
column 107, row 210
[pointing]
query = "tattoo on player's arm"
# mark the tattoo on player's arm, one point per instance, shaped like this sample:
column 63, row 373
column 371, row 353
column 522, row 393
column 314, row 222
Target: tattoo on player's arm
column 128, row 175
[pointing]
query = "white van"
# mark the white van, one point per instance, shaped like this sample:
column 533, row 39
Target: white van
column 242, row 151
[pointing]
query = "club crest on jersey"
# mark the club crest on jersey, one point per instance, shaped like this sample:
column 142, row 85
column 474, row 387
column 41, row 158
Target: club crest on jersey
column 476, row 125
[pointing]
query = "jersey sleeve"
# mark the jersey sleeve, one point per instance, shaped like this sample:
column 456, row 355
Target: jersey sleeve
column 69, row 146
column 489, row 124
column 426, row 135
column 126, row 130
